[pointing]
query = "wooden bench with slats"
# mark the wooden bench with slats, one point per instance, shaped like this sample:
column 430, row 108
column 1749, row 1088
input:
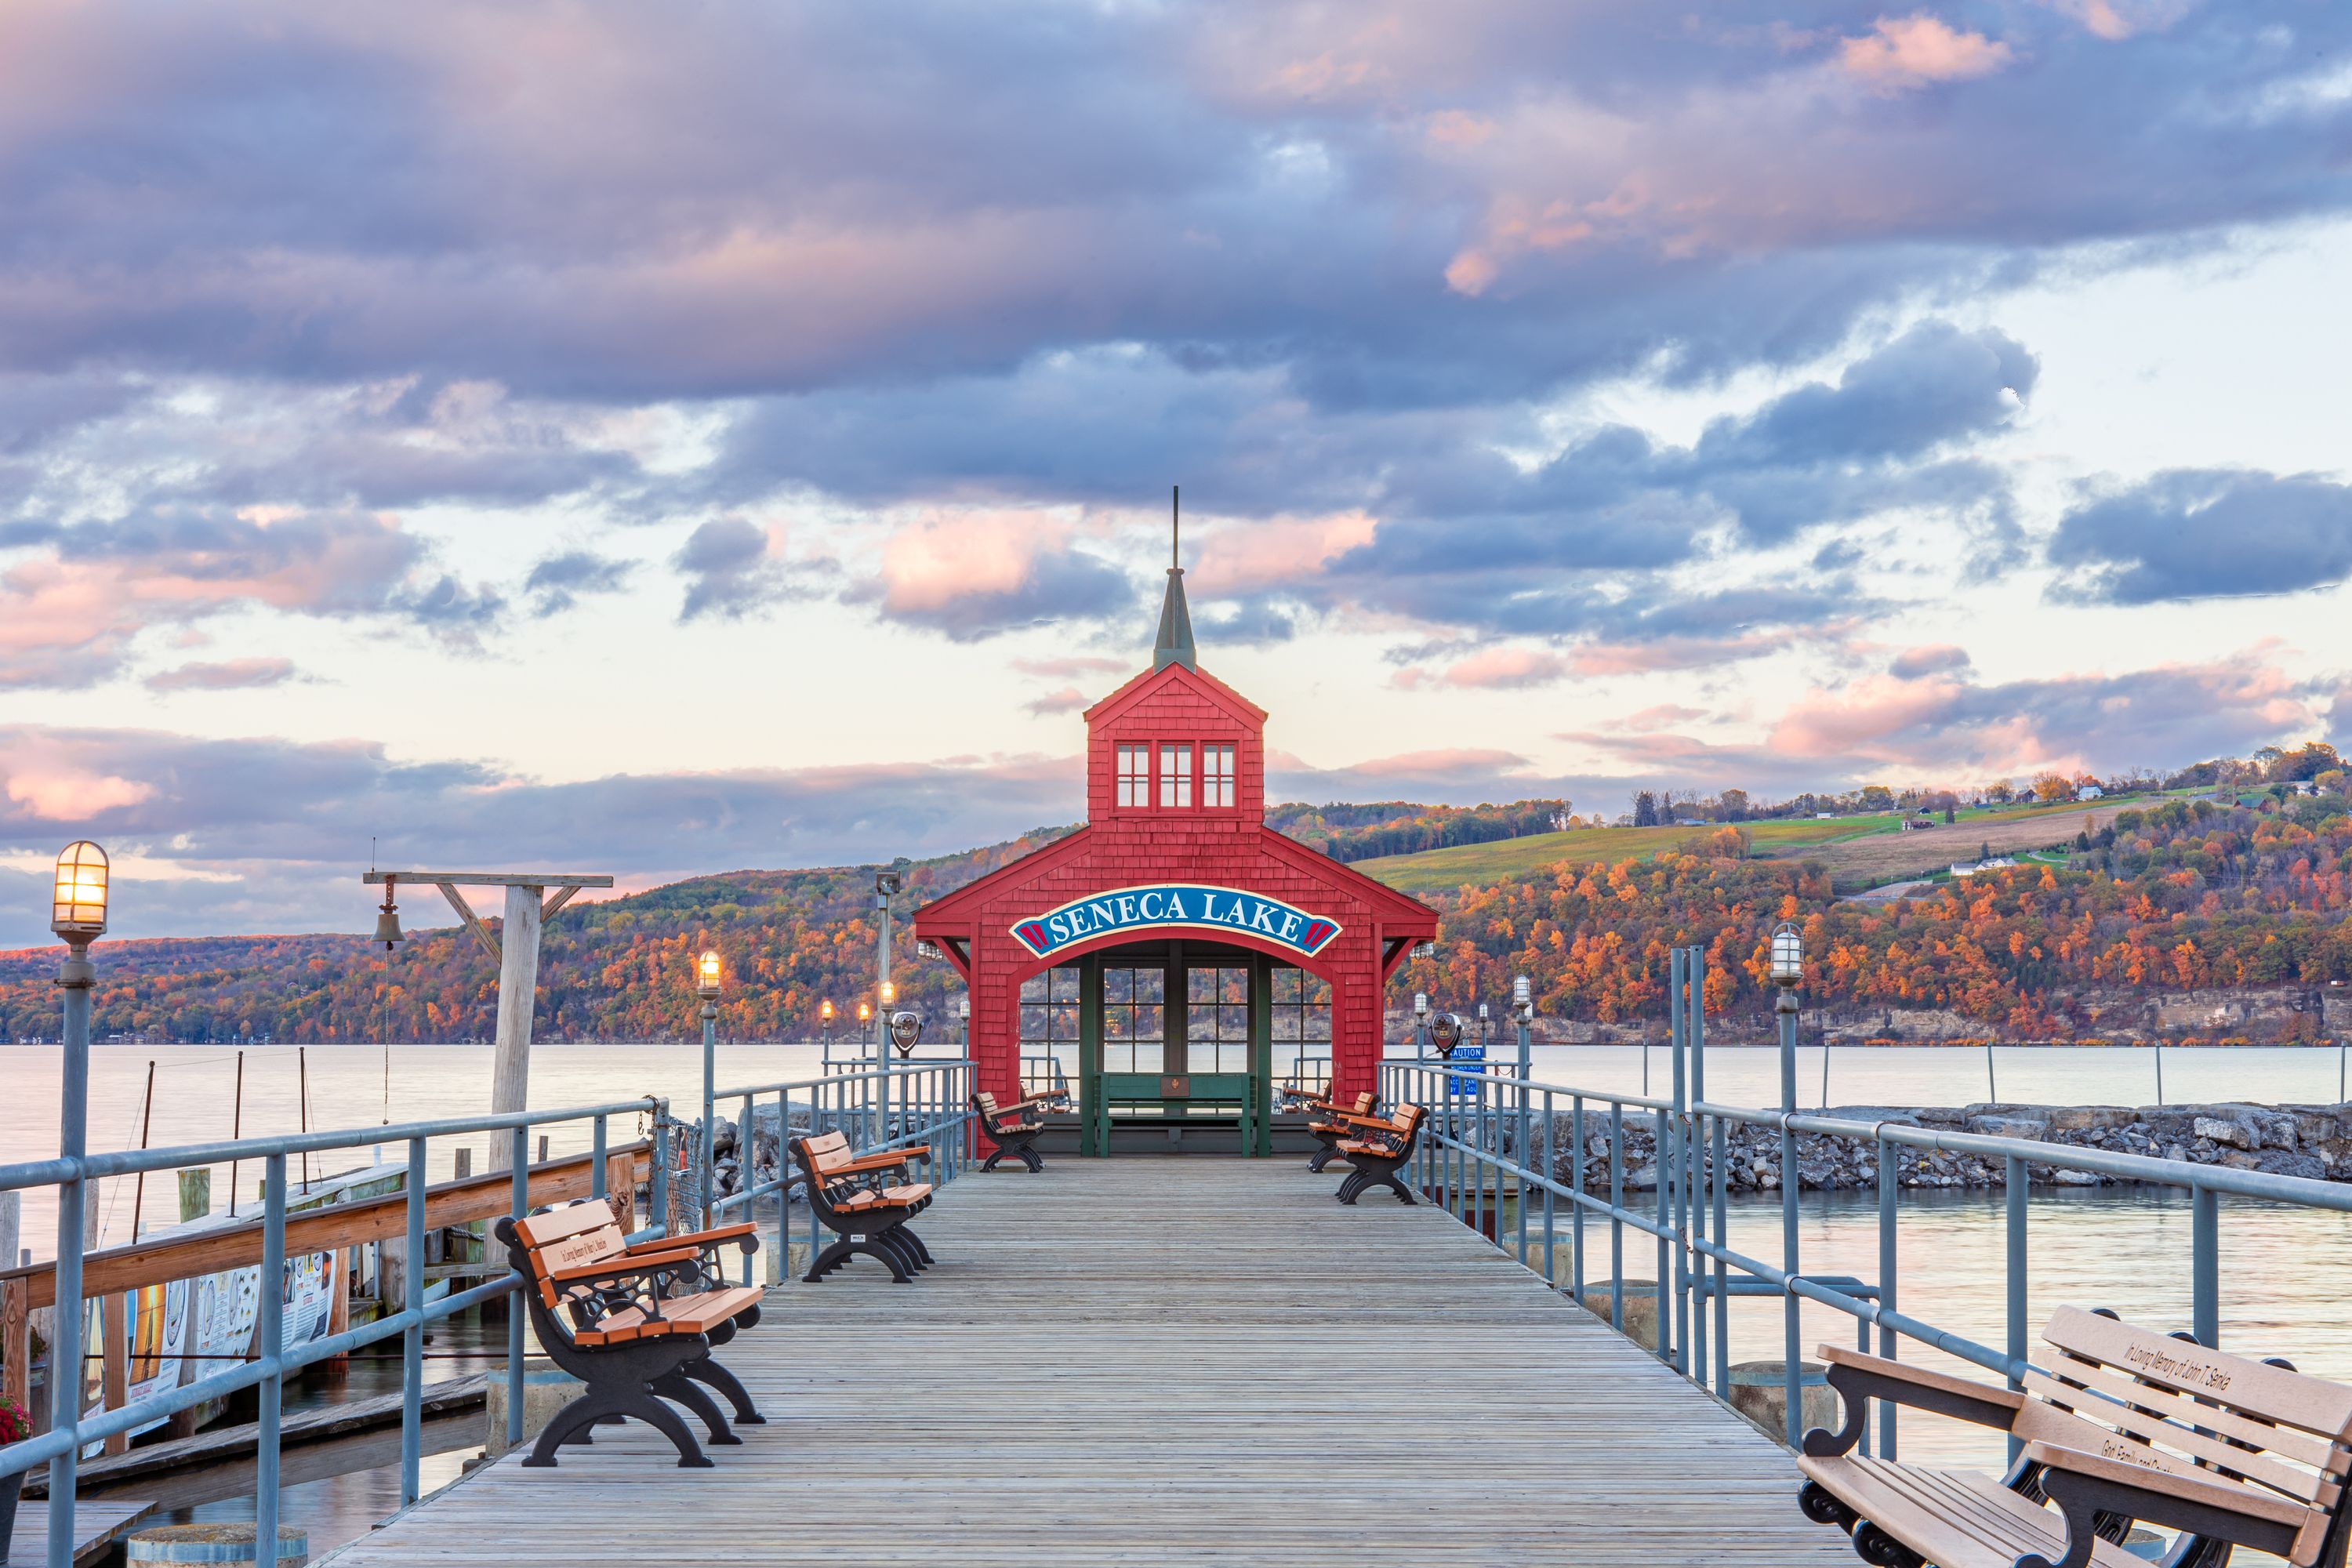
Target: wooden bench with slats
column 865, row 1214
column 1379, row 1149
column 1323, row 1121
column 2123, row 1425
column 1012, row 1128
column 636, row 1325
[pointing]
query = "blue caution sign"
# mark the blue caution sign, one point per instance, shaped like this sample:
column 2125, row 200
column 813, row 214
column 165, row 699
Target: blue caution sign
column 1174, row 905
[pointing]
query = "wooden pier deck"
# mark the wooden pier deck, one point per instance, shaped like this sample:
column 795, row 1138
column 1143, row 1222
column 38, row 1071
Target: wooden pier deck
column 1171, row 1361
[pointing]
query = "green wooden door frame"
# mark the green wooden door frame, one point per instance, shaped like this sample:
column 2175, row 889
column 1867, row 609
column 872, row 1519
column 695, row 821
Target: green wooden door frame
column 1093, row 1131
column 1255, row 1086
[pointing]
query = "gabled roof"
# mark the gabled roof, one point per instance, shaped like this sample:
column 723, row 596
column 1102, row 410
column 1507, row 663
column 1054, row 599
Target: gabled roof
column 1152, row 680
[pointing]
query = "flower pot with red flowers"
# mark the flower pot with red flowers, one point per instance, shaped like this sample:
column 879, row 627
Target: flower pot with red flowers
column 15, row 1427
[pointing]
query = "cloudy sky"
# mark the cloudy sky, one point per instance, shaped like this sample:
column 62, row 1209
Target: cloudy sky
column 659, row 440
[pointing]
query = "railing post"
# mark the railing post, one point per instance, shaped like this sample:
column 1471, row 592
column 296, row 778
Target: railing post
column 1671, row 1344
column 2205, row 1266
column 520, row 1164
column 1616, row 1212
column 2016, row 1274
column 1791, row 1325
column 749, row 1169
column 1551, row 1177
column 659, row 1219
column 412, row 1338
column 1679, row 1039
column 1722, row 1233
column 269, row 1339
column 73, row 1203
column 1576, row 1203
column 1886, row 1295
column 596, row 1166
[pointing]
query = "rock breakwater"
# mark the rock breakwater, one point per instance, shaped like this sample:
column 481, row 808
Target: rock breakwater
column 2313, row 1141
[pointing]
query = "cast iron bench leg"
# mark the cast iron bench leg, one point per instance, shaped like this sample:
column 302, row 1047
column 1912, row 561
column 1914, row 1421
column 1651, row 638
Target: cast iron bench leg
column 674, row 1388
column 704, row 1370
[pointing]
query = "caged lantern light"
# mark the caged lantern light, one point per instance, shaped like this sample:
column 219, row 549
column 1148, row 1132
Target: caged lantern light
column 78, row 909
column 1523, row 996
column 1787, row 955
column 706, row 970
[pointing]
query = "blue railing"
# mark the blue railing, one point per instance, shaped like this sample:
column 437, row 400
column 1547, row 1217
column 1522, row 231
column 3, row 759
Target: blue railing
column 902, row 1105
column 1485, row 1134
column 69, row 1430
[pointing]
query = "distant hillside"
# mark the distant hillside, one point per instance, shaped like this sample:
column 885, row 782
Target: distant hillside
column 2179, row 897
column 614, row 971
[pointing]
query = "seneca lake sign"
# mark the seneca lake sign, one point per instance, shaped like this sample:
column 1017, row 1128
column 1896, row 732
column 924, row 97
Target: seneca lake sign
column 1175, row 904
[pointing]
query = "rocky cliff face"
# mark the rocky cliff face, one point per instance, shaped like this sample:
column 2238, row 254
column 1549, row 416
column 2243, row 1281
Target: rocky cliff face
column 2312, row 1140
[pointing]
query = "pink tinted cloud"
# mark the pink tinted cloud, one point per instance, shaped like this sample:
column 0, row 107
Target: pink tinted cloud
column 1901, row 52
column 1831, row 724
column 953, row 555
column 1245, row 557
column 1494, row 668
column 1068, row 700
column 1070, row 667
column 1660, row 717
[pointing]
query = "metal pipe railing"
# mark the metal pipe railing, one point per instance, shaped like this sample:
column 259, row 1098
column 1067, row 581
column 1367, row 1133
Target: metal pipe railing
column 70, row 1430
column 1690, row 1210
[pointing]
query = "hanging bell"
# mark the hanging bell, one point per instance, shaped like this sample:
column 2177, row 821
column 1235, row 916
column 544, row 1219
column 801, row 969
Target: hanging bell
column 387, row 921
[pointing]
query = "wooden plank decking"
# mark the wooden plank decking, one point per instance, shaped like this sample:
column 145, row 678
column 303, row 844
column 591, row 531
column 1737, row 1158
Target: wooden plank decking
column 1170, row 1362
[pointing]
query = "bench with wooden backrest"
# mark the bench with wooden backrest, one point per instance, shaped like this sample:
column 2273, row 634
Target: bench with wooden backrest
column 866, row 1213
column 636, row 1325
column 1378, row 1150
column 2124, row 1424
column 1013, row 1128
column 1323, row 1121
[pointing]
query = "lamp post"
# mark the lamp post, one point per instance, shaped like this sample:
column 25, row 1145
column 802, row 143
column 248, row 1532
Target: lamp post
column 705, row 973
column 1787, row 969
column 78, row 915
column 963, row 1019
column 824, row 1018
column 864, row 1036
column 1420, row 1025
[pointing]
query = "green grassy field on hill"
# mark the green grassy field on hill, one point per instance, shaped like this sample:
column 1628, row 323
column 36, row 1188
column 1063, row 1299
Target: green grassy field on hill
column 1444, row 870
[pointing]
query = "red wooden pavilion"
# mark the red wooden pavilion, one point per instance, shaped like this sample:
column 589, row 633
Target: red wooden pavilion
column 1175, row 943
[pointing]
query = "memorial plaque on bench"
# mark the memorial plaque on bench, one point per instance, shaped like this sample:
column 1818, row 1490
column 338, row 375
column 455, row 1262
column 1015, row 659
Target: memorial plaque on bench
column 1176, row 1086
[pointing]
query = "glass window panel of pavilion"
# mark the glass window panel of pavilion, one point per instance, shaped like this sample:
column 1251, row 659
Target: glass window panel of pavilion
column 1049, row 1028
column 1134, row 1017
column 1216, row 1032
column 1302, row 1026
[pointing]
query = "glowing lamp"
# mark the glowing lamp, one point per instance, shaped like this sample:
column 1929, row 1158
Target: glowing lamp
column 889, row 993
column 1787, row 955
column 707, row 973
column 825, row 1011
column 78, row 913
column 865, row 1013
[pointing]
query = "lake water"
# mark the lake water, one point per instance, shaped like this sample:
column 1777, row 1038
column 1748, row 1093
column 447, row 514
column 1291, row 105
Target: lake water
column 2286, row 1271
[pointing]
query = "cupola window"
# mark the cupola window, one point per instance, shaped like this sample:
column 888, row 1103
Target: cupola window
column 1135, row 776
column 1176, row 777
column 1216, row 775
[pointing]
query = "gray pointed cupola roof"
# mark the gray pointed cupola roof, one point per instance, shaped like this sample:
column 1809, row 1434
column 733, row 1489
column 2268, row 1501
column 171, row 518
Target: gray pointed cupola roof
column 1174, row 645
